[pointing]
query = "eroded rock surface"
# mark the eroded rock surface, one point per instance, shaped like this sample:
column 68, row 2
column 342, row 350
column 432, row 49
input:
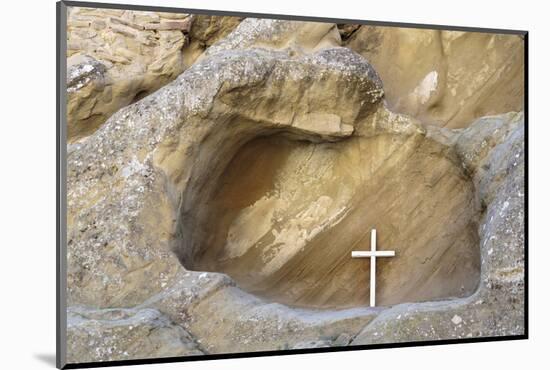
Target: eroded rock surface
column 497, row 307
column 234, row 162
column 445, row 78
column 136, row 186
column 289, row 214
column 206, row 31
column 120, row 334
column 136, row 53
column 296, row 37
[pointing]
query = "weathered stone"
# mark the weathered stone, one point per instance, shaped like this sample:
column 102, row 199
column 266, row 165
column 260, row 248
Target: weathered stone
column 141, row 51
column 126, row 23
column 125, row 49
column 147, row 17
column 446, row 78
column 226, row 319
column 342, row 340
column 184, row 25
column 99, row 24
column 131, row 163
column 172, row 15
column 283, row 203
column 496, row 308
column 347, row 30
column 118, row 334
column 82, row 70
column 205, row 31
column 209, row 29
column 79, row 23
column 119, row 252
column 260, row 166
column 299, row 37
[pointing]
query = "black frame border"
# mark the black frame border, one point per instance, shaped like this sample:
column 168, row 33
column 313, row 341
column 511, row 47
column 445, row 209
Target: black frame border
column 61, row 210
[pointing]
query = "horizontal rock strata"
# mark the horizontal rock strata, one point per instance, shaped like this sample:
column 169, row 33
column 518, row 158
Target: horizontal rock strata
column 133, row 53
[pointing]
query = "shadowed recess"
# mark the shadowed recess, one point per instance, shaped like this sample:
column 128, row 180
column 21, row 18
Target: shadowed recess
column 285, row 215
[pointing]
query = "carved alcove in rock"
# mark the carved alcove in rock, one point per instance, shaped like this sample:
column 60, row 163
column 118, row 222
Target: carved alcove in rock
column 284, row 215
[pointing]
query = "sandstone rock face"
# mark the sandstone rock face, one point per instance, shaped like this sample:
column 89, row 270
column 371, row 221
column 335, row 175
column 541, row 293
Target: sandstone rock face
column 218, row 213
column 209, row 29
column 132, row 167
column 206, row 31
column 228, row 319
column 289, row 214
column 137, row 53
column 125, row 334
column 445, row 78
column 297, row 37
column 496, row 308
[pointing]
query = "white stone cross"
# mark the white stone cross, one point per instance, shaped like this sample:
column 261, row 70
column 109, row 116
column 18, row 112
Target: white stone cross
column 373, row 253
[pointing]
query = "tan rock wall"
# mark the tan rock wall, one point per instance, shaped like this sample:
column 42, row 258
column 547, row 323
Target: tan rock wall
column 139, row 52
column 446, row 78
column 288, row 215
column 270, row 159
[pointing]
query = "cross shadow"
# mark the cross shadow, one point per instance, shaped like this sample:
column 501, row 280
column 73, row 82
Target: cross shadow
column 47, row 358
